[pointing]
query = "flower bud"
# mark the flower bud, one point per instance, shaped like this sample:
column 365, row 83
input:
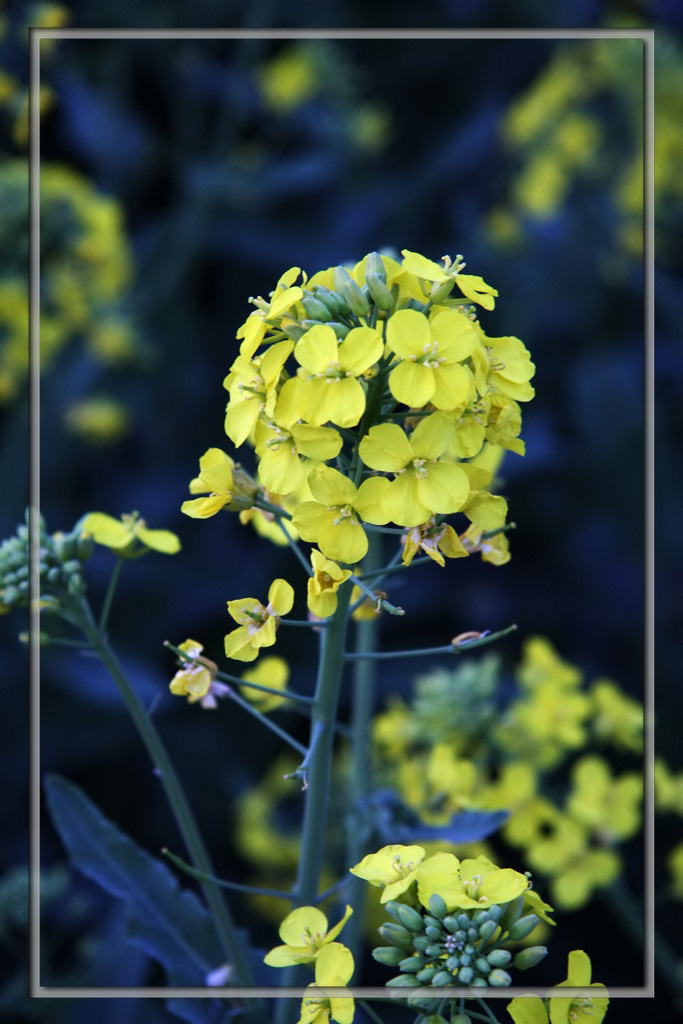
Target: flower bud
column 465, row 975
column 316, row 309
column 499, row 979
column 529, row 957
column 432, row 932
column 85, row 545
column 425, row 975
column 64, row 546
column 523, row 927
column 442, row 978
column 487, row 930
column 421, row 943
column 438, row 906
column 334, row 302
column 391, row 956
column 412, row 964
column 410, row 918
column 499, row 957
column 482, row 965
column 512, row 913
column 396, row 934
column 403, row 981
column 345, row 285
column 376, row 280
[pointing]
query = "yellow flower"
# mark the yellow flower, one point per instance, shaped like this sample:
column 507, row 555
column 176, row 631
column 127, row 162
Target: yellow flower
column 422, row 485
column 431, row 354
column 566, row 1011
column 331, row 521
column 268, row 315
column 270, row 672
column 253, row 390
column 128, row 536
column 611, row 807
column 226, row 488
column 436, row 540
column 333, row 968
column 286, row 456
column 305, row 935
column 196, row 680
column 468, row 883
column 327, row 388
column 393, row 868
column 324, row 583
column 473, row 288
column 258, row 623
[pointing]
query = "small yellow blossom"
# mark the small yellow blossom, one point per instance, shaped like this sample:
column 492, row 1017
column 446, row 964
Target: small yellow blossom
column 305, row 934
column 333, row 969
column 225, row 486
column 258, row 623
column 331, row 521
column 252, row 384
column 196, row 680
column 393, row 868
column 129, row 536
column 431, row 354
column 324, row 583
column 435, row 539
column 469, row 883
column 566, row 1011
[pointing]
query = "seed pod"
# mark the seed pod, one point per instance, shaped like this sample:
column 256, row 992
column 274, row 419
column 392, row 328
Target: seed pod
column 390, row 956
column 438, row 906
column 529, row 957
column 345, row 285
column 523, row 927
column 499, row 979
column 410, row 918
column 499, row 957
column 396, row 935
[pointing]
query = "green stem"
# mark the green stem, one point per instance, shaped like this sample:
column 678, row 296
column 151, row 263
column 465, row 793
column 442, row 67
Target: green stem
column 370, row 1012
column 109, row 596
column 464, row 645
column 361, row 758
column 232, row 946
column 200, row 876
column 324, row 715
column 264, row 720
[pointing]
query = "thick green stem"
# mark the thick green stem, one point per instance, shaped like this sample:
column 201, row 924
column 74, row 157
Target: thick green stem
column 232, row 945
column 364, row 672
column 319, row 770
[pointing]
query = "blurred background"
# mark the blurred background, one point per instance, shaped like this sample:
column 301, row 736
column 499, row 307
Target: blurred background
column 179, row 177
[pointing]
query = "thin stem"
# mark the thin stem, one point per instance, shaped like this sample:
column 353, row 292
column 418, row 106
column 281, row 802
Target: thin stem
column 361, row 760
column 233, row 947
column 295, row 548
column 324, row 714
column 227, row 678
column 304, row 622
column 452, row 648
column 109, row 596
column 264, row 720
column 201, row 876
column 370, row 1012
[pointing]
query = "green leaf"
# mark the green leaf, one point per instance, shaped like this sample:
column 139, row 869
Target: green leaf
column 170, row 924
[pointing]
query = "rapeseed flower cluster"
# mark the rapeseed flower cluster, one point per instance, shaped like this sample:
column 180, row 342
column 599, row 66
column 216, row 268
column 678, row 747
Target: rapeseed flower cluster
column 372, row 398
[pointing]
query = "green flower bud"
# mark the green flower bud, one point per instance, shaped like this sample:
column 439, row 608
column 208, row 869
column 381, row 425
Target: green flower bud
column 495, row 912
column 478, row 983
column 499, row 957
column 396, row 935
column 341, row 330
column 332, row 300
column 442, row 978
column 54, row 574
column 523, row 927
column 75, row 586
column 374, row 266
column 499, row 979
column 461, row 1018
column 464, row 920
column 465, row 975
column 390, row 956
column 465, row 959
column 85, row 545
column 512, row 913
column 481, row 916
column 425, row 975
column 434, row 950
column 376, row 279
column 529, row 957
column 403, row 981
column 410, row 918
column 432, row 932
column 438, row 906
column 345, row 285
column 72, row 567
column 434, row 1018
column 65, row 546
column 487, row 930
column 412, row 964
column 315, row 309
column 392, row 909
column 482, row 965
column 9, row 596
column 421, row 943
column 453, row 963
column 473, row 934
column 450, row 921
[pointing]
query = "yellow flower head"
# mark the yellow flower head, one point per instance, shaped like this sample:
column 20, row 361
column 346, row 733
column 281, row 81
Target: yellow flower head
column 393, row 868
column 324, row 583
column 331, row 521
column 305, row 934
column 129, row 536
column 258, row 623
column 469, row 883
column 333, row 968
column 585, row 1008
column 225, row 485
column 431, row 354
column 196, row 678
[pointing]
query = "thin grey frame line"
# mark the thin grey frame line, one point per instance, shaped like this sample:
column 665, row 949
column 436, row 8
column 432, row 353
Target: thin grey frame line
column 647, row 37
column 341, row 33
